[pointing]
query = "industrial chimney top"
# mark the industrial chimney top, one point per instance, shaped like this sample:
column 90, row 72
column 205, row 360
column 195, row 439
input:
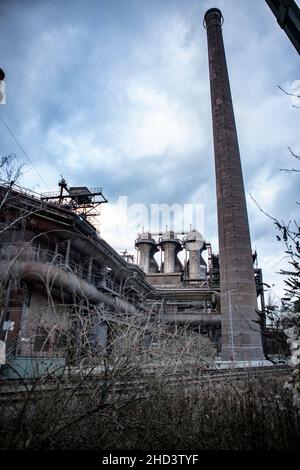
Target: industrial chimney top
column 214, row 14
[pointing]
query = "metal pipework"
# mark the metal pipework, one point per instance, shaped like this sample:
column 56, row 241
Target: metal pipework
column 202, row 320
column 52, row 275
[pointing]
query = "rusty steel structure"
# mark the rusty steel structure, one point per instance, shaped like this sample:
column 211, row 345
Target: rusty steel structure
column 241, row 336
column 53, row 262
column 57, row 271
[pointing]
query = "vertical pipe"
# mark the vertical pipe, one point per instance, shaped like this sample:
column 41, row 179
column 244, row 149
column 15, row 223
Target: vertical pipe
column 90, row 269
column 169, row 257
column 68, row 249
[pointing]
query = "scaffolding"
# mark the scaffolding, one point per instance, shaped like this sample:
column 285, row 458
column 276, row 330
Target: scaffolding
column 84, row 201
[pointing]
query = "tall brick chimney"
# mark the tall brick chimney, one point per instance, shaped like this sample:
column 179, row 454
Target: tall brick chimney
column 241, row 337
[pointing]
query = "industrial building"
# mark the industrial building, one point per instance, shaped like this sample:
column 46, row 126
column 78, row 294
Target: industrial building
column 56, row 270
column 55, row 267
column 189, row 290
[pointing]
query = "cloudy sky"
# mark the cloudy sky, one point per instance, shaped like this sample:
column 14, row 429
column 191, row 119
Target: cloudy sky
column 115, row 93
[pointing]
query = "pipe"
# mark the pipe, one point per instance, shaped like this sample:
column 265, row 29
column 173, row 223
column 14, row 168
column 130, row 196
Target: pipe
column 51, row 274
column 203, row 320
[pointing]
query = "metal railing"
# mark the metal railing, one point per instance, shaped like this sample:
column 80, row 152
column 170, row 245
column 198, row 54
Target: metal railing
column 10, row 251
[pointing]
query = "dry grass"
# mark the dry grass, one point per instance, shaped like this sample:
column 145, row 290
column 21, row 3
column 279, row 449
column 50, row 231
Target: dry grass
column 253, row 414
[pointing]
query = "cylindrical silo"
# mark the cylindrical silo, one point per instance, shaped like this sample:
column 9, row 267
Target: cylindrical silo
column 171, row 246
column 146, row 247
column 194, row 244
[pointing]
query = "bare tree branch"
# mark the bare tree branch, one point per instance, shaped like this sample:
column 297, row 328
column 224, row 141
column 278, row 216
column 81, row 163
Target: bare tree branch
column 294, row 155
column 289, row 94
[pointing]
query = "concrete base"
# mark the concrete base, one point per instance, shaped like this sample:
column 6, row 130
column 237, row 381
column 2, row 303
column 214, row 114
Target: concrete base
column 241, row 364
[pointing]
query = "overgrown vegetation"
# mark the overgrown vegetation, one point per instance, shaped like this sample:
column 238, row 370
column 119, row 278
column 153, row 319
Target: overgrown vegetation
column 253, row 414
column 136, row 384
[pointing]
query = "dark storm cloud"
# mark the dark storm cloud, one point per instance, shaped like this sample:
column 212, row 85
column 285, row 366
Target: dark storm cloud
column 116, row 93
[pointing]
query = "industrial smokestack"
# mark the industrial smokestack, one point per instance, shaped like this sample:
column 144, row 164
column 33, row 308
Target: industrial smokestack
column 241, row 337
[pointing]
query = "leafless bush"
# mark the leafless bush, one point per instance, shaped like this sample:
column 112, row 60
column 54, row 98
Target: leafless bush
column 128, row 387
column 99, row 387
column 97, row 380
column 252, row 414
